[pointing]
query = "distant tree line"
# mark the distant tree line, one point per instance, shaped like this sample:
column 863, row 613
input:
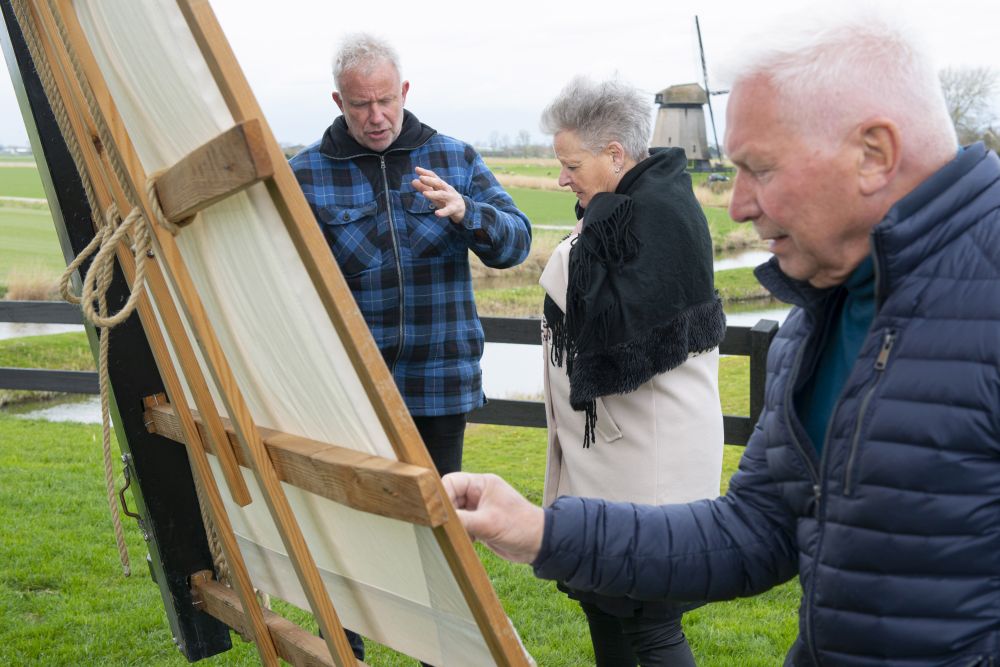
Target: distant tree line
column 972, row 96
column 502, row 145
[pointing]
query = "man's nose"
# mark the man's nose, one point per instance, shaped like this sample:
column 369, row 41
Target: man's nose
column 743, row 203
column 564, row 178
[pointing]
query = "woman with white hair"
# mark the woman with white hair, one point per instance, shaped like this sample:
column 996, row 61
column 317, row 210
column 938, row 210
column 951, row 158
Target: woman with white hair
column 631, row 333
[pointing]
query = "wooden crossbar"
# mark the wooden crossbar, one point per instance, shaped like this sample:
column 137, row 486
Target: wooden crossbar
column 295, row 645
column 229, row 163
column 367, row 483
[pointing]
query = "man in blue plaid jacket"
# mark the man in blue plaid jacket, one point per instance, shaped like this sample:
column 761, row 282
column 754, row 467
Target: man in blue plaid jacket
column 401, row 206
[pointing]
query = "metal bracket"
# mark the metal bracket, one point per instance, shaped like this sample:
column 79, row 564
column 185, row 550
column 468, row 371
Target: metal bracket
column 127, row 460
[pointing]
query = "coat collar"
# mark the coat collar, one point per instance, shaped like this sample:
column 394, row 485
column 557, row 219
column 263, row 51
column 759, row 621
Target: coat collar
column 338, row 144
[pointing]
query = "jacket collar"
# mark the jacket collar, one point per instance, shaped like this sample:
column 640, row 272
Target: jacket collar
column 338, row 144
column 937, row 211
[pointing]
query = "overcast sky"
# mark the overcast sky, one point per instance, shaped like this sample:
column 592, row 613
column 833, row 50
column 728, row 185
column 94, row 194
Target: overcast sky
column 478, row 68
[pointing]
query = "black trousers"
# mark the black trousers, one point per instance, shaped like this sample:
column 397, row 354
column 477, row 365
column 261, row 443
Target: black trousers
column 649, row 640
column 444, row 437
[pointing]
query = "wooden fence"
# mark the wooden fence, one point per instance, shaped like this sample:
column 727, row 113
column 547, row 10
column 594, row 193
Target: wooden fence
column 751, row 342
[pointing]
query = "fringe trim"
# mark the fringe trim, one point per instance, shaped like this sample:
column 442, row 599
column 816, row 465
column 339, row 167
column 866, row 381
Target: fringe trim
column 624, row 368
column 555, row 323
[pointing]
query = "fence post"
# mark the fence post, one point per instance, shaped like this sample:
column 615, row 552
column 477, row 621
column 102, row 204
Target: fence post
column 761, row 335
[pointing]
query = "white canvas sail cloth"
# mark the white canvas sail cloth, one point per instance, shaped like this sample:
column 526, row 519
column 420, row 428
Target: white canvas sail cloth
column 388, row 579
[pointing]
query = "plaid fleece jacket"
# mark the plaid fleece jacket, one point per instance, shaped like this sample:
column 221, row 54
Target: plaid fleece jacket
column 407, row 268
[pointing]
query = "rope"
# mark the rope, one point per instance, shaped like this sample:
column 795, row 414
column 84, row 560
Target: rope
column 219, row 562
column 154, row 204
column 95, row 286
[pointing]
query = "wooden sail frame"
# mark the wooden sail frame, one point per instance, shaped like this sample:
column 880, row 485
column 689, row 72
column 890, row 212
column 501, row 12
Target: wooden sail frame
column 84, row 92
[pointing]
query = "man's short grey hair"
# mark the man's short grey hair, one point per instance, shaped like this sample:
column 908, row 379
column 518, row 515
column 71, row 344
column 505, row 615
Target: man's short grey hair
column 600, row 113
column 834, row 71
column 363, row 51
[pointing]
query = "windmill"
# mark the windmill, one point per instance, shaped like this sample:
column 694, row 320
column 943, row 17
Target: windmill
column 680, row 120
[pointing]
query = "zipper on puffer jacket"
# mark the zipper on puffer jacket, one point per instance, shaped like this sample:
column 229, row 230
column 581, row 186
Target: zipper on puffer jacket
column 881, row 363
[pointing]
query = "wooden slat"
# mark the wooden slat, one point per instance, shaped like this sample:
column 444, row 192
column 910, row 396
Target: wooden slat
column 516, row 330
column 40, row 312
column 108, row 191
column 736, row 341
column 294, row 645
column 40, row 379
column 366, row 483
column 761, row 335
column 510, row 413
column 233, row 161
column 736, row 429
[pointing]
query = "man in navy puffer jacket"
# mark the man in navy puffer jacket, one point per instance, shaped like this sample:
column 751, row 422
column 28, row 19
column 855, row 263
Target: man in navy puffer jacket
column 874, row 471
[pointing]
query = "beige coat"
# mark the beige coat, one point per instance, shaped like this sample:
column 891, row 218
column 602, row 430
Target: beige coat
column 661, row 443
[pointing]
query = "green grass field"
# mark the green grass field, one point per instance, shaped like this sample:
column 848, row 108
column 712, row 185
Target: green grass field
column 63, row 600
column 534, row 168
column 28, row 242
column 546, row 207
column 20, row 182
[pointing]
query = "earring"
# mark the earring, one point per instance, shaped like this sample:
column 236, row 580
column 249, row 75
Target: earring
column 618, row 170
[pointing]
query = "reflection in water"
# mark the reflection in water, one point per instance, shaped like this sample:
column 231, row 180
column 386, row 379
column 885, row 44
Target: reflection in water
column 83, row 409
column 751, row 317
column 747, row 259
column 19, row 329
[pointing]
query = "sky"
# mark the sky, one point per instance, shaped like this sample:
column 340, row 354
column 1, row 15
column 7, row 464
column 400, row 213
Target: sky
column 481, row 70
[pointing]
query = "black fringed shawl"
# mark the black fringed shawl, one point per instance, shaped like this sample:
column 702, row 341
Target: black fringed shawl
column 640, row 296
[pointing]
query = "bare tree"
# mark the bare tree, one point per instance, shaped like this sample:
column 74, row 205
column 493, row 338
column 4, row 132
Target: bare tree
column 524, row 142
column 971, row 95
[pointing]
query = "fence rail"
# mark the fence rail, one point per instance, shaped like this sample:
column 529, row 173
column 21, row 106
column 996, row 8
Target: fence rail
column 751, row 342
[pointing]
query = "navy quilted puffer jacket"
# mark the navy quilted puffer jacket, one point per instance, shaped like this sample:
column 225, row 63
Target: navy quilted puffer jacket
column 895, row 530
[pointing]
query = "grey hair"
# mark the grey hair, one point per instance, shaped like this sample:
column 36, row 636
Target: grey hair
column 834, row 71
column 361, row 50
column 600, row 113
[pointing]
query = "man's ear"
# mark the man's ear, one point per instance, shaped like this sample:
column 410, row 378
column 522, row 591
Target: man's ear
column 406, row 89
column 880, row 154
column 337, row 99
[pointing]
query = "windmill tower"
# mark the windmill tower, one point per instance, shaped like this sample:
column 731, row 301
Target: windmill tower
column 680, row 120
